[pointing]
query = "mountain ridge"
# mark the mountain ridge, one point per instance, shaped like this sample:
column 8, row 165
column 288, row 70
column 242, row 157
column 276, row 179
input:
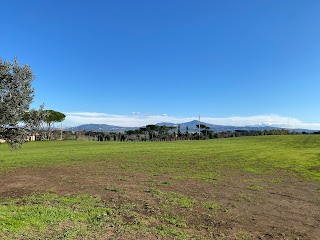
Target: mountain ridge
column 191, row 127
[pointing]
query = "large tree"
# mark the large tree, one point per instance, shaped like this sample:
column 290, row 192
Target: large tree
column 52, row 118
column 16, row 95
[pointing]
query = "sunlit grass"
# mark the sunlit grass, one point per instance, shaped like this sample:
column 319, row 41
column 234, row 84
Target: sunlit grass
column 166, row 212
column 184, row 159
column 36, row 215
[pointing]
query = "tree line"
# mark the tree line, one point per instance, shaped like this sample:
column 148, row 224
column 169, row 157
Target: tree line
column 169, row 133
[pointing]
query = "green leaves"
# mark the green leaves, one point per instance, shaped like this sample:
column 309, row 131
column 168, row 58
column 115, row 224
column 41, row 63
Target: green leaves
column 54, row 116
column 16, row 95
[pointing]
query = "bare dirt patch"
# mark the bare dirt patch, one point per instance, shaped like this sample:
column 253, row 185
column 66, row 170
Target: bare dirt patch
column 276, row 206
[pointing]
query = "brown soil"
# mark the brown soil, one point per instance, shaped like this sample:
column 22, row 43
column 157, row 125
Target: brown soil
column 267, row 207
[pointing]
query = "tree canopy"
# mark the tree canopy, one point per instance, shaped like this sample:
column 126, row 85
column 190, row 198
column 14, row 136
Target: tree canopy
column 54, row 117
column 16, row 95
column 34, row 120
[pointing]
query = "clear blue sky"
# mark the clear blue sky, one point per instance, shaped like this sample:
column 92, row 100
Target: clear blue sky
column 218, row 58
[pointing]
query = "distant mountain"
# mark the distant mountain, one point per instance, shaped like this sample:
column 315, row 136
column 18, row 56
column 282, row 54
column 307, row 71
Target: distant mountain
column 191, row 125
column 216, row 128
column 100, row 128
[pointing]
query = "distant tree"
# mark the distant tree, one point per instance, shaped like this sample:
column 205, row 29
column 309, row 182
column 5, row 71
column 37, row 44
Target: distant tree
column 52, row 118
column 205, row 129
column 151, row 129
column 159, row 132
column 179, row 131
column 187, row 132
column 164, row 130
column 172, row 128
column 35, row 120
column 143, row 129
column 202, row 126
column 16, row 95
column 130, row 132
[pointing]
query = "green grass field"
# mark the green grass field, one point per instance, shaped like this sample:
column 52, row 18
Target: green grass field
column 170, row 210
column 298, row 154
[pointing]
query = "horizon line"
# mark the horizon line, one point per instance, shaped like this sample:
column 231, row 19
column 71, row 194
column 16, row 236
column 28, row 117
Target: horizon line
column 136, row 120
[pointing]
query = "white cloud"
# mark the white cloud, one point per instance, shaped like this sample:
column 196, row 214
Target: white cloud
column 86, row 114
column 137, row 119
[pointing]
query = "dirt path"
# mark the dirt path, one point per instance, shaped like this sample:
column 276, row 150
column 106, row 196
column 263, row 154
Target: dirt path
column 267, row 207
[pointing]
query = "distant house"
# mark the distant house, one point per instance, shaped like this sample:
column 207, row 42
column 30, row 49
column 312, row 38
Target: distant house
column 31, row 138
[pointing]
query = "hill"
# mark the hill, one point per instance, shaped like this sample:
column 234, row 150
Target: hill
column 100, row 128
column 191, row 125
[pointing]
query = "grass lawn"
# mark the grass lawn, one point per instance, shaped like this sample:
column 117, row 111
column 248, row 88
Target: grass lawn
column 148, row 190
